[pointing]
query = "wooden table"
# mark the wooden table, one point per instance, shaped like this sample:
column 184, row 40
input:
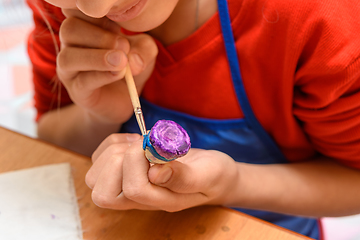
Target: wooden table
column 208, row 222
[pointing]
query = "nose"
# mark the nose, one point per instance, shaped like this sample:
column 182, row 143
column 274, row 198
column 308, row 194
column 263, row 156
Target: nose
column 95, row 8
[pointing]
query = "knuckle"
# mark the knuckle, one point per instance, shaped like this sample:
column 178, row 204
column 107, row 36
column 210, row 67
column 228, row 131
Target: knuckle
column 114, row 149
column 80, row 83
column 63, row 58
column 116, row 160
column 118, row 149
column 101, row 200
column 95, row 155
column 90, row 180
column 114, row 138
column 67, row 28
column 131, row 152
column 67, row 12
column 132, row 193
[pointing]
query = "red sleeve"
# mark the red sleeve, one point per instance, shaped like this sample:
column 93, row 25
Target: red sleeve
column 327, row 88
column 49, row 93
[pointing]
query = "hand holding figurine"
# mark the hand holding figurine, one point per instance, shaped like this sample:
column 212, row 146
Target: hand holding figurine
column 122, row 178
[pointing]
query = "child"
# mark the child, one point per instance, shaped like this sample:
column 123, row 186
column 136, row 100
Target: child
column 267, row 90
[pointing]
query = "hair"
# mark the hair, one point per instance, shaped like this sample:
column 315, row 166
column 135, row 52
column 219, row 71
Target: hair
column 47, row 16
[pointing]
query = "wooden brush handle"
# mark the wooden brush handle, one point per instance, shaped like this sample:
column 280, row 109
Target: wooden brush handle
column 135, row 99
column 132, row 88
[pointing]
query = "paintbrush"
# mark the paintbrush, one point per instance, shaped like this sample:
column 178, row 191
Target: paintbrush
column 167, row 140
column 135, row 100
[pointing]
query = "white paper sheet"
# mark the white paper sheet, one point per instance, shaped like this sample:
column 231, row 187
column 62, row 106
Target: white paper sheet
column 39, row 203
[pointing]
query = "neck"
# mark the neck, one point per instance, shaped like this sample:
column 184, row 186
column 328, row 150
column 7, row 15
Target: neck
column 187, row 16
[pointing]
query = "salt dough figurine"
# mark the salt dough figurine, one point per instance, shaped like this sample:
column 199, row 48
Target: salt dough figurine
column 166, row 141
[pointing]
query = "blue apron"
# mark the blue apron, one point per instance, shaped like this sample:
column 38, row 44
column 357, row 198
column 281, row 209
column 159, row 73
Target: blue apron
column 244, row 139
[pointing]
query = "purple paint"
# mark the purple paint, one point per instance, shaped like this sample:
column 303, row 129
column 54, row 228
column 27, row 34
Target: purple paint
column 169, row 139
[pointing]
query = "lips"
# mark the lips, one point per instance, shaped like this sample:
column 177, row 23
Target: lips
column 127, row 13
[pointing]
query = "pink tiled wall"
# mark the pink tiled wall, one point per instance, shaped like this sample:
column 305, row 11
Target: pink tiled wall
column 16, row 104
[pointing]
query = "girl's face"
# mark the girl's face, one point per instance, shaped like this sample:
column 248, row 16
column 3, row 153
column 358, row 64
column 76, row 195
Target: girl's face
column 133, row 15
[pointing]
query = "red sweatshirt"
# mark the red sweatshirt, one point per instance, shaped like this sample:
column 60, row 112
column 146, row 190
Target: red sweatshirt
column 299, row 60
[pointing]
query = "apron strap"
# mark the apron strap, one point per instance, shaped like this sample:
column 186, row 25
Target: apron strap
column 238, row 83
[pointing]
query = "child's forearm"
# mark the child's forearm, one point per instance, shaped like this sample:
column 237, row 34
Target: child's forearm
column 315, row 188
column 72, row 128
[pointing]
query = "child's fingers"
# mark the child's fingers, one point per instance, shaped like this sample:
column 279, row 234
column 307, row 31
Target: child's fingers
column 123, row 203
column 136, row 166
column 143, row 52
column 74, row 60
column 85, row 70
column 107, row 192
column 109, row 182
column 86, row 82
column 114, row 139
column 115, row 144
column 98, row 164
column 77, row 32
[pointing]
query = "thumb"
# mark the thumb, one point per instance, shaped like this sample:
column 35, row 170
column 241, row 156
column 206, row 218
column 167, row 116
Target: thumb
column 176, row 176
column 160, row 174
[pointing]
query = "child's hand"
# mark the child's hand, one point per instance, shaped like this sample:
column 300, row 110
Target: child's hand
column 92, row 60
column 121, row 177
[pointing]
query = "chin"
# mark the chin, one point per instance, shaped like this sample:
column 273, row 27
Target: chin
column 137, row 28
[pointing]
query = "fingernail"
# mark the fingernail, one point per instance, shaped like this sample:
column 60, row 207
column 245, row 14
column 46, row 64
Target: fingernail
column 132, row 137
column 164, row 175
column 114, row 58
column 135, row 58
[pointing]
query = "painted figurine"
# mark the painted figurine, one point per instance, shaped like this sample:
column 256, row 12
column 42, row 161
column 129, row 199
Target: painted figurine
column 166, row 141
